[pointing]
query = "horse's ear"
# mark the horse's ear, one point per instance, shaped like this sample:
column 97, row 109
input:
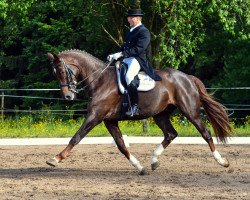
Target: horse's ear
column 50, row 57
column 53, row 57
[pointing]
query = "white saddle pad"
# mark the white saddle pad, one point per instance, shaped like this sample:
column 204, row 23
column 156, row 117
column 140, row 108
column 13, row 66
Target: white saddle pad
column 146, row 83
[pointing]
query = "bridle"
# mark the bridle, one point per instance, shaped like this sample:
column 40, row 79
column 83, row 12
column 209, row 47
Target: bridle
column 71, row 84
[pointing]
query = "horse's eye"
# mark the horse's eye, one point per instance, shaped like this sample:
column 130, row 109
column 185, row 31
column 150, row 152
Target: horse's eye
column 54, row 71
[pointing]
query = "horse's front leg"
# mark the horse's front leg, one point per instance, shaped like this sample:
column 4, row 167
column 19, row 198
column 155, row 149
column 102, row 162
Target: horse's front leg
column 90, row 122
column 115, row 131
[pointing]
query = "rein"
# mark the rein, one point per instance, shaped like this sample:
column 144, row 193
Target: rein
column 73, row 84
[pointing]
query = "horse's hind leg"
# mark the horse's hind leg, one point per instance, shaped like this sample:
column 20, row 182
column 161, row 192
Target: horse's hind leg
column 114, row 130
column 205, row 132
column 193, row 114
column 162, row 120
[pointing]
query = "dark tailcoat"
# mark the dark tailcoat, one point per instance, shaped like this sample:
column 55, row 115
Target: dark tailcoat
column 136, row 45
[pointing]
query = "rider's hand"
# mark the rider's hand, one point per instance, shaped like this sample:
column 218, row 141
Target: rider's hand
column 110, row 57
column 114, row 56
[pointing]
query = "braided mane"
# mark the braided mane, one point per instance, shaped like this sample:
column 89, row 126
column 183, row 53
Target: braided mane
column 85, row 54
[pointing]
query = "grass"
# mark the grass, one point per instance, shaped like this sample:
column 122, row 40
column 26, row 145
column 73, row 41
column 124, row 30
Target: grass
column 47, row 126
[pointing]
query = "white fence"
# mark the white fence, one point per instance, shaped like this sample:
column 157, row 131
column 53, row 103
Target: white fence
column 4, row 96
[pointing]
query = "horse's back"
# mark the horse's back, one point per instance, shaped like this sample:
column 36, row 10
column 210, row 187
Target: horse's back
column 177, row 84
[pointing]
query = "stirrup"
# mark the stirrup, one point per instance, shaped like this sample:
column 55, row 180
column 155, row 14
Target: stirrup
column 132, row 111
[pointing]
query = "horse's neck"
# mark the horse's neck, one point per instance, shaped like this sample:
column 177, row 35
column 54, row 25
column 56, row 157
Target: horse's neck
column 98, row 84
column 92, row 70
column 87, row 63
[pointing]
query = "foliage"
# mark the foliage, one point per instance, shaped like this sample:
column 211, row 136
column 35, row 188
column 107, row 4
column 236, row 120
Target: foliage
column 181, row 30
column 226, row 24
column 49, row 125
column 224, row 60
column 235, row 73
column 209, row 39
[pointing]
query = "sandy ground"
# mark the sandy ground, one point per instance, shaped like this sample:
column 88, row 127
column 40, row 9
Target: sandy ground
column 101, row 172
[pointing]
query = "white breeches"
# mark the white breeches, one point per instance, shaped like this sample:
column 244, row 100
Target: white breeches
column 133, row 69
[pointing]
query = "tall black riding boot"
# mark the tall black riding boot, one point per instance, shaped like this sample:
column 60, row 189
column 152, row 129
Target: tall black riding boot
column 133, row 94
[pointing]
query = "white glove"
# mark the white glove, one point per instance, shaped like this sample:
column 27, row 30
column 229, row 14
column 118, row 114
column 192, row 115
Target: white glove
column 114, row 56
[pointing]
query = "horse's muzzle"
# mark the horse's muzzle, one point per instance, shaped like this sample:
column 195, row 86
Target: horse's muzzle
column 69, row 96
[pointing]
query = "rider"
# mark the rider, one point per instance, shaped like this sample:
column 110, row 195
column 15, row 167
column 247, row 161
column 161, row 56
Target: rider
column 135, row 53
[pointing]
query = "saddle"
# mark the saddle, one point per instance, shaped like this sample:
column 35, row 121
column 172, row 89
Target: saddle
column 146, row 83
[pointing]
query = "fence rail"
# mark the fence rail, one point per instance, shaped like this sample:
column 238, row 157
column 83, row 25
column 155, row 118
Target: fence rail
column 231, row 107
column 57, row 89
column 230, row 88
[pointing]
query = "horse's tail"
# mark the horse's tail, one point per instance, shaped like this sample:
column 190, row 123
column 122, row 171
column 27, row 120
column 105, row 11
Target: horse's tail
column 216, row 113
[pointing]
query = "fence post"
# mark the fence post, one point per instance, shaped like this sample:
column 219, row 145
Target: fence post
column 30, row 117
column 2, row 106
column 144, row 126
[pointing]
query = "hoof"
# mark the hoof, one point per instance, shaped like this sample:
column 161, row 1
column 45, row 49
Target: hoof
column 155, row 165
column 143, row 172
column 223, row 162
column 52, row 162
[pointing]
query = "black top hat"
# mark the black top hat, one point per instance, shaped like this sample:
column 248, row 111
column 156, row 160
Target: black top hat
column 134, row 12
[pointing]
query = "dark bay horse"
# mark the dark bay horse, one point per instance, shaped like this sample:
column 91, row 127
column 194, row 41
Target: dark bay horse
column 176, row 90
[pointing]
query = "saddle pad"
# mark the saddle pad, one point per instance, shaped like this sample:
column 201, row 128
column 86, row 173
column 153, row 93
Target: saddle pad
column 146, row 83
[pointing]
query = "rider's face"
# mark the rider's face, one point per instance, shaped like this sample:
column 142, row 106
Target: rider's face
column 133, row 20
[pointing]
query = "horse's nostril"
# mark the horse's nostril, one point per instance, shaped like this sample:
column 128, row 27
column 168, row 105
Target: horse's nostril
column 68, row 97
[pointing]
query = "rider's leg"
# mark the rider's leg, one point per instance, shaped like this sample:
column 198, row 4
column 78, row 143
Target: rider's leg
column 133, row 94
column 133, row 70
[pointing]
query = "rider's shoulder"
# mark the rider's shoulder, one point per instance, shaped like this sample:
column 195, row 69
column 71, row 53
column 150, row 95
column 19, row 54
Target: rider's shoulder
column 143, row 29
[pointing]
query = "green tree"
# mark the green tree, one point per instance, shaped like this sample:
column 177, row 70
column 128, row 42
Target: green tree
column 209, row 39
column 180, row 31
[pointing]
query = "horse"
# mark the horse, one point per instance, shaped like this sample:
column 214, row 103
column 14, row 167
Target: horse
column 176, row 90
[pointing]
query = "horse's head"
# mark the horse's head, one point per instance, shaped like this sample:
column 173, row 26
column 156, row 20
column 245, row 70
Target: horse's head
column 66, row 74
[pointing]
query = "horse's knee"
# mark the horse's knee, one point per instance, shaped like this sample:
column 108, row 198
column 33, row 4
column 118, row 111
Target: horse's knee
column 75, row 139
column 168, row 139
column 171, row 136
